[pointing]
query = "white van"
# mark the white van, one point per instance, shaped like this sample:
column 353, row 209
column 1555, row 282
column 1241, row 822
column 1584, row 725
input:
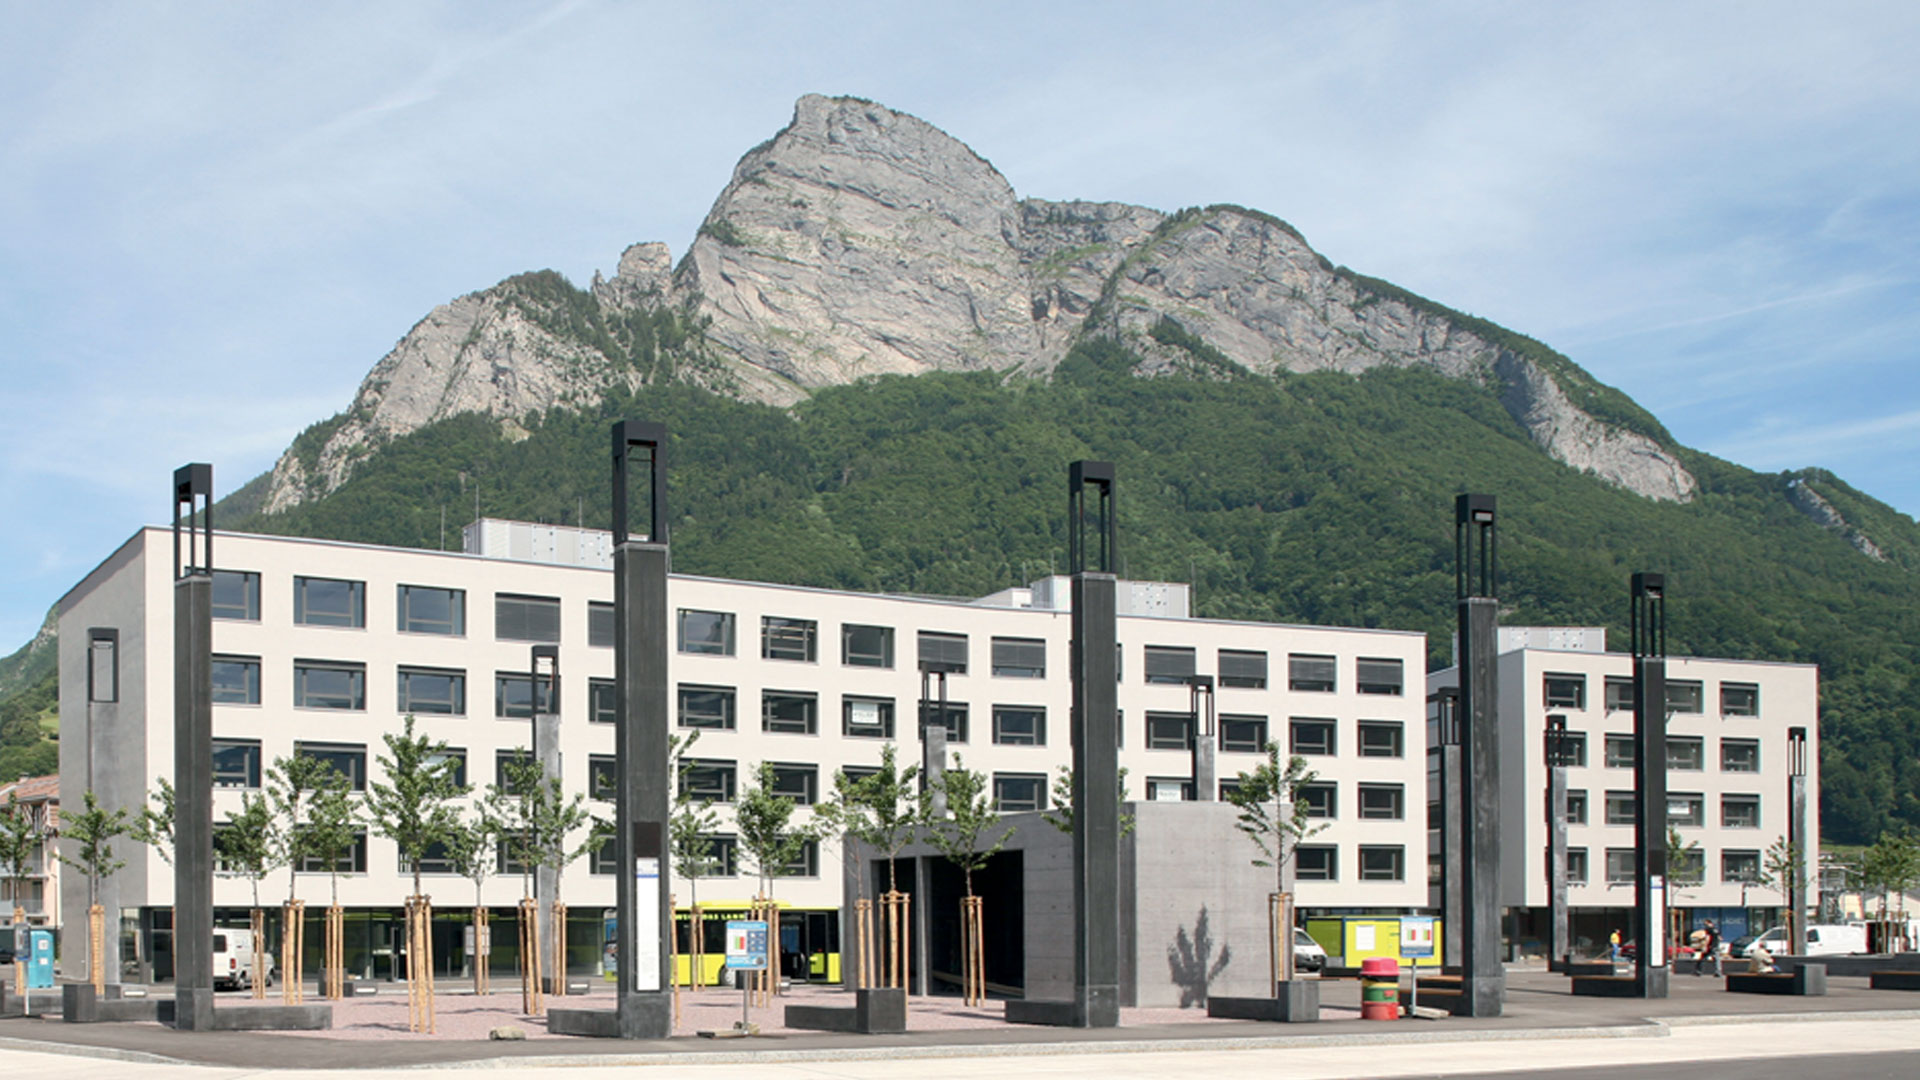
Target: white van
column 1307, row 953
column 1823, row 939
column 233, row 960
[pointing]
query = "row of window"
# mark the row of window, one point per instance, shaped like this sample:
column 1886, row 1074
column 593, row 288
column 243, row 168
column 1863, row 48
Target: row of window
column 723, row 858
column 1736, row 867
column 1378, row 862
column 1569, row 691
column 1685, row 809
column 1685, row 753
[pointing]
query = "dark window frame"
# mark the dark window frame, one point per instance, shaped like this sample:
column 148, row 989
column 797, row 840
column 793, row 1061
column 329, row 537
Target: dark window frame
column 353, row 617
column 405, row 622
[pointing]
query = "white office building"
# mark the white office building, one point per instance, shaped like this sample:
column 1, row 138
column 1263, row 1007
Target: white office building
column 322, row 648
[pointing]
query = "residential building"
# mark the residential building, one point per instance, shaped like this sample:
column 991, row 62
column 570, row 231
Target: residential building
column 37, row 894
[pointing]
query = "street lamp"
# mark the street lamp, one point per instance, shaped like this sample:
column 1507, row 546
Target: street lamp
column 1202, row 741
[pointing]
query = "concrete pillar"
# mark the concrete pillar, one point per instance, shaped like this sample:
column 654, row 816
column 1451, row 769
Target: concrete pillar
column 1650, row 881
column 1561, row 945
column 1797, row 838
column 192, row 756
column 1482, row 970
column 546, row 752
column 1096, row 802
column 933, row 736
column 1453, row 871
column 1203, row 741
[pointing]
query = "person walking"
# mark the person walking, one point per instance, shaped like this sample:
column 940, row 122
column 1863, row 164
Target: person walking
column 1697, row 941
column 1713, row 948
column 1613, row 946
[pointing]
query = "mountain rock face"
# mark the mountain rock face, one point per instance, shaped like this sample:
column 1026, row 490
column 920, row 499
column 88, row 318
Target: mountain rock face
column 862, row 241
column 1827, row 516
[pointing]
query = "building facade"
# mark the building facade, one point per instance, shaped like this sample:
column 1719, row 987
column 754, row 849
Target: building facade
column 322, row 648
column 35, row 894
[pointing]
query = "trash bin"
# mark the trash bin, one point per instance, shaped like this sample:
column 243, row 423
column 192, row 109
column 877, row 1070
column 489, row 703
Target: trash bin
column 1380, row 988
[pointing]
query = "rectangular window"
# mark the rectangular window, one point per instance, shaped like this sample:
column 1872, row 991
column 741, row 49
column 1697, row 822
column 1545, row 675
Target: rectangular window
column 866, row 646
column 1686, row 753
column 604, row 859
column 603, row 701
column 236, row 595
column 867, row 718
column 347, row 759
column 1316, row 862
column 1576, row 807
column 1243, row 670
column 1382, row 738
column 723, row 856
column 433, row 690
column 1314, row 738
column 600, row 631
column 329, row 602
column 789, row 713
column 943, row 652
column 1619, row 694
column 1169, row 665
column 509, row 855
column 424, row 610
column 236, row 763
column 510, row 770
column 321, row 684
column 1019, row 658
column 513, row 697
column 457, row 755
column 1243, row 734
column 1574, row 746
column 800, row 783
column 526, row 618
column 1688, row 867
column 1620, row 809
column 707, row 780
column 1383, row 802
column 956, row 718
column 236, row 680
column 434, row 860
column 1686, row 809
column 1740, row 811
column 788, row 639
column 603, row 777
column 806, row 863
column 1378, row 676
column 1740, row 866
column 1019, row 725
column 707, row 707
column 1016, row 792
column 1621, row 864
column 352, row 861
column 1311, row 674
column 1565, row 691
column 1322, row 799
column 1739, row 755
column 103, row 664
column 1168, row 731
column 1685, row 696
column 1169, row 789
column 1739, row 699
column 1620, row 753
column 708, row 633
column 1383, row 863
column 1576, row 866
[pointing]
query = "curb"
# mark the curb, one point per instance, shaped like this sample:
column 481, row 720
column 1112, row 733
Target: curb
column 105, row 1053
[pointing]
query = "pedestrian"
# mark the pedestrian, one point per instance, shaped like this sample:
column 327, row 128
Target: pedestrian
column 1713, row 948
column 1613, row 946
column 1697, row 941
column 1759, row 960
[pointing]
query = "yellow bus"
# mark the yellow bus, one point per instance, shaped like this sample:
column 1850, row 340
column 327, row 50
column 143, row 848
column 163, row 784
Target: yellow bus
column 809, row 942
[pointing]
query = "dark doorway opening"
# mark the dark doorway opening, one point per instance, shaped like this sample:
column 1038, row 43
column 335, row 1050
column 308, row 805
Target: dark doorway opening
column 1001, row 885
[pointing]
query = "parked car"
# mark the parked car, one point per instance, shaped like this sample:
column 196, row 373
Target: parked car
column 233, row 960
column 1823, row 939
column 1307, row 953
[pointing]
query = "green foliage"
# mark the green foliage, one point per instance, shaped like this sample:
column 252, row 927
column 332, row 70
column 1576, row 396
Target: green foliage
column 1891, row 867
column 726, row 232
column 93, row 832
column 27, row 747
column 1060, row 814
column 472, row 844
column 1783, row 867
column 692, row 823
column 412, row 808
column 1310, row 498
column 1167, row 331
column 965, row 834
column 537, row 818
column 19, row 840
column 249, row 843
column 1272, row 814
column 292, row 785
column 768, row 834
column 1685, row 865
column 878, row 810
column 154, row 826
column 332, row 829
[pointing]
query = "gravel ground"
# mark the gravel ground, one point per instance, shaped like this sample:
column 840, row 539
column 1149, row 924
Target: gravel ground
column 463, row 1016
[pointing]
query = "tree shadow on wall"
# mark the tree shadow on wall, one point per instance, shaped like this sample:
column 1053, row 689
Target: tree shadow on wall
column 1187, row 961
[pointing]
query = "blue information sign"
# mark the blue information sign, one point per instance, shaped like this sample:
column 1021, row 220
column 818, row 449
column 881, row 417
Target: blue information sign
column 746, row 944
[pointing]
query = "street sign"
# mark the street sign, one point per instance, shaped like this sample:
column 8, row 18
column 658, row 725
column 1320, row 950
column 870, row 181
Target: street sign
column 646, row 922
column 746, row 944
column 1416, row 936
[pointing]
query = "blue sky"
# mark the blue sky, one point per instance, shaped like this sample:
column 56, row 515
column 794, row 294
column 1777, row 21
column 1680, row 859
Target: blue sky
column 214, row 218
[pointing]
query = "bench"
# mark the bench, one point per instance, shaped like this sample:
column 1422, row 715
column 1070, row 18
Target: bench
column 1625, row 986
column 1894, row 980
column 1294, row 1002
column 1805, row 980
column 873, row 1012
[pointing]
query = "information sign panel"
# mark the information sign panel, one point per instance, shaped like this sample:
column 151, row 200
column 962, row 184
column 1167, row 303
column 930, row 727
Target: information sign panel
column 646, row 924
column 746, row 944
column 1416, row 936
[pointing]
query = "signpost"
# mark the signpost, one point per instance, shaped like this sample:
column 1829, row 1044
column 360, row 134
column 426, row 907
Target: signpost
column 746, row 951
column 1416, row 944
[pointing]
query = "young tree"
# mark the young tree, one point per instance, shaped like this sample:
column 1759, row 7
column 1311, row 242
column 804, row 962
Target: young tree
column 1890, row 868
column 292, row 784
column 154, row 827
column 539, row 822
column 91, row 833
column 332, row 832
column 250, row 846
column 690, row 830
column 1685, row 869
column 1784, row 868
column 472, row 848
column 965, row 837
column 772, row 840
column 1275, row 818
column 1060, row 814
column 414, row 809
column 879, row 811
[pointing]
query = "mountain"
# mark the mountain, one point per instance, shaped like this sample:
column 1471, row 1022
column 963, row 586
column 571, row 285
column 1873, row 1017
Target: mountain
column 876, row 359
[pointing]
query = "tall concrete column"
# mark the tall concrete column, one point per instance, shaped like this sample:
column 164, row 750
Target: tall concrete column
column 1650, row 882
column 192, row 749
column 1453, row 871
column 1483, row 973
column 544, row 671
column 933, row 734
column 643, row 796
column 1556, row 748
column 1203, row 741
column 1797, row 838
